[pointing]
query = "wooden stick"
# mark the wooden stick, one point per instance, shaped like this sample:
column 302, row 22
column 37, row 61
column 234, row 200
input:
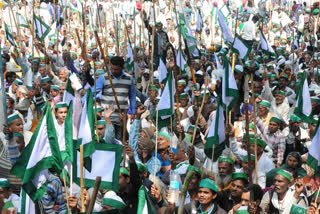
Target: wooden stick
column 184, row 190
column 117, row 36
column 109, row 76
column 124, row 133
column 65, row 187
column 156, row 147
column 94, row 194
column 81, row 180
column 317, row 196
column 152, row 47
column 71, row 179
column 199, row 113
column 255, row 130
column 95, row 102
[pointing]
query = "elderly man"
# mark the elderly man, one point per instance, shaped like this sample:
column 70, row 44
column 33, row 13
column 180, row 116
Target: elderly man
column 264, row 110
column 281, row 198
column 224, row 175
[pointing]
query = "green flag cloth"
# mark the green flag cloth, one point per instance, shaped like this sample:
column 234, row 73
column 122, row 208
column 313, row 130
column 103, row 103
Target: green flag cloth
column 42, row 153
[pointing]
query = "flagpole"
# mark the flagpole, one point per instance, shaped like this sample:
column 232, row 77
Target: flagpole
column 156, row 147
column 95, row 101
column 94, row 194
column 81, row 180
column 255, row 130
column 199, row 113
column 124, row 133
column 99, row 19
column 109, row 76
column 14, row 19
column 65, row 187
column 153, row 34
column 117, row 35
column 246, row 103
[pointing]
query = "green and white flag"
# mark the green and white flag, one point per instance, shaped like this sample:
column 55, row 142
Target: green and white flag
column 219, row 66
column 65, row 138
column 265, row 46
column 41, row 28
column 144, row 203
column 166, row 102
column 162, row 71
column 199, row 23
column 26, row 205
column 110, row 154
column 42, row 153
column 230, row 93
column 68, row 94
column 9, row 35
column 75, row 9
column 86, row 128
column 225, row 11
column 227, row 36
column 188, row 36
column 22, row 21
column 313, row 159
column 216, row 135
column 53, row 32
column 130, row 62
column 240, row 47
column 181, row 63
column 303, row 107
column 298, row 209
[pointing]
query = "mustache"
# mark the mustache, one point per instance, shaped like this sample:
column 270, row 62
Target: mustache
column 222, row 180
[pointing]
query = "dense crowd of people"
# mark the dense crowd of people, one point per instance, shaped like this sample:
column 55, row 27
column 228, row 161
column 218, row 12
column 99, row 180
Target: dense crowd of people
column 253, row 148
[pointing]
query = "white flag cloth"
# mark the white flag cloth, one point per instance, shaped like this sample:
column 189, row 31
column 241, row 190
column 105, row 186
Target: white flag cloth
column 162, row 71
column 224, row 28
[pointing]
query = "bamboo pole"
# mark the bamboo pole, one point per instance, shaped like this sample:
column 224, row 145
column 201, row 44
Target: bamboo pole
column 81, row 180
column 65, row 187
column 199, row 114
column 117, row 36
column 152, row 47
column 184, row 190
column 124, row 133
column 156, row 147
column 94, row 194
column 255, row 130
column 109, row 76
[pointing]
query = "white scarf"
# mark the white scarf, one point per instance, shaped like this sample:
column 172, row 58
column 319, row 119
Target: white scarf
column 287, row 201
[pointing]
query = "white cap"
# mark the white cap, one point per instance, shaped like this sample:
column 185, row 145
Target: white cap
column 199, row 73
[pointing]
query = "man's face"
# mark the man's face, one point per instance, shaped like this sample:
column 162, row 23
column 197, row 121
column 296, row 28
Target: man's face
column 54, row 93
column 61, row 90
column 180, row 88
column 224, row 168
column 283, row 82
column 101, row 130
column 262, row 111
column 20, row 142
column 35, row 67
column 61, row 114
column 43, row 71
column 123, row 182
column 236, row 188
column 279, row 99
column 245, row 198
column 63, row 76
column 16, row 126
column 199, row 78
column 294, row 126
column 281, row 184
column 46, row 86
column 116, row 70
column 142, row 152
column 206, row 196
column 292, row 162
column 257, row 87
column 273, row 127
column 184, row 102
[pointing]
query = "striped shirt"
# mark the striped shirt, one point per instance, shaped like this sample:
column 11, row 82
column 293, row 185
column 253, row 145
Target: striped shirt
column 275, row 141
column 53, row 196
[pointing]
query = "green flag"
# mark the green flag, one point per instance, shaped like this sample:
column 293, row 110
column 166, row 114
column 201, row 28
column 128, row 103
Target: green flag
column 313, row 159
column 9, row 35
column 41, row 28
column 230, row 93
column 303, row 107
column 216, row 135
column 105, row 154
column 65, row 138
column 22, row 21
column 144, row 203
column 240, row 47
column 42, row 153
